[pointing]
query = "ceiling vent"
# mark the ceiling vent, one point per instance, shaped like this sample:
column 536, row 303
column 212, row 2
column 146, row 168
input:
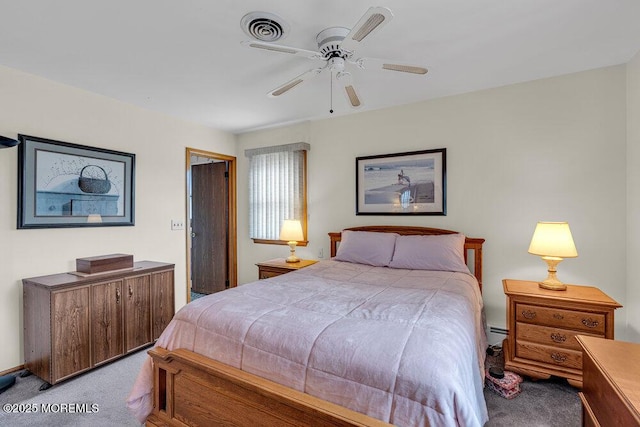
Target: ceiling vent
column 264, row 26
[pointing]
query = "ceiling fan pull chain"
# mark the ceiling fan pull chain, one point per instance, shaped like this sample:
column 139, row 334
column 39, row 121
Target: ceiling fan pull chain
column 331, row 92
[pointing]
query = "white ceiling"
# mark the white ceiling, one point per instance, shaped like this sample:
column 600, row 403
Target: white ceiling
column 184, row 57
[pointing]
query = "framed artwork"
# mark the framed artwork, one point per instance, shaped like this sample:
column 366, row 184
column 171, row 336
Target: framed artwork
column 412, row 183
column 69, row 185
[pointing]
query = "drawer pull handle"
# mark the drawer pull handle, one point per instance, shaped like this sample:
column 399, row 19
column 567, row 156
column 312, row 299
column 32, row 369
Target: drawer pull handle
column 117, row 295
column 558, row 358
column 558, row 316
column 590, row 323
column 528, row 314
column 559, row 338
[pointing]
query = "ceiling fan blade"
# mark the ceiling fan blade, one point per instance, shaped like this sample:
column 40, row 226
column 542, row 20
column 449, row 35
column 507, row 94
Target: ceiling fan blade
column 386, row 64
column 349, row 89
column 405, row 68
column 296, row 81
column 352, row 95
column 310, row 54
column 373, row 20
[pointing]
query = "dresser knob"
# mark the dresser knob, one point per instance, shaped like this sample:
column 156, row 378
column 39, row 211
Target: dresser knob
column 558, row 358
column 559, row 338
column 528, row 314
column 590, row 323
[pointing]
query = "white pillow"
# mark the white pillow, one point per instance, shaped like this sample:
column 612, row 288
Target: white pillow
column 441, row 252
column 366, row 247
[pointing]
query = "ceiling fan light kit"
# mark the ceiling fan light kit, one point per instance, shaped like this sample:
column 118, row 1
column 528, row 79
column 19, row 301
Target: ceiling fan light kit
column 336, row 47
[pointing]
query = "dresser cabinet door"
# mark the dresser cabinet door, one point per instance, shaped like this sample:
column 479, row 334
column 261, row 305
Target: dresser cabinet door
column 107, row 321
column 161, row 301
column 137, row 312
column 70, row 335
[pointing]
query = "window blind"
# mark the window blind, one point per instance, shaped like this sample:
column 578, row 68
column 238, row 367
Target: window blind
column 277, row 186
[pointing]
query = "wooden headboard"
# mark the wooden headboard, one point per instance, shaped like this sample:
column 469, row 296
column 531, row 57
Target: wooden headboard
column 471, row 243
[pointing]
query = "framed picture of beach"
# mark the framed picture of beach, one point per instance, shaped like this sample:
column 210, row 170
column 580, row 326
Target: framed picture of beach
column 412, row 183
column 69, row 185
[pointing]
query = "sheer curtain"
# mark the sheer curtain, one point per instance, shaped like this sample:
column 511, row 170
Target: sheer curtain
column 277, row 187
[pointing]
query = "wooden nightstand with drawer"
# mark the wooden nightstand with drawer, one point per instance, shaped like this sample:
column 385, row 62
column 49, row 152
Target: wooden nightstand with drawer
column 278, row 266
column 543, row 324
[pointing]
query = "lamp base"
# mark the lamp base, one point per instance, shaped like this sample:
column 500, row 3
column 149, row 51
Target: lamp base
column 552, row 282
column 554, row 286
column 292, row 248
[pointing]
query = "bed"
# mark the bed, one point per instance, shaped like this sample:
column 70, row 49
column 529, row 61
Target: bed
column 379, row 334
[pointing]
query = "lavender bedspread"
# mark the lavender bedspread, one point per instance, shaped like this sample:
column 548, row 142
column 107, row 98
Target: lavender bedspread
column 403, row 346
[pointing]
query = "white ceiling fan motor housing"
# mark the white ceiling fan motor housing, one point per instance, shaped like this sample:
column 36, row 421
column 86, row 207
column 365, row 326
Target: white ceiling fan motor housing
column 329, row 41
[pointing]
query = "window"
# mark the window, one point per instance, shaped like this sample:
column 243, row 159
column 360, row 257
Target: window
column 277, row 190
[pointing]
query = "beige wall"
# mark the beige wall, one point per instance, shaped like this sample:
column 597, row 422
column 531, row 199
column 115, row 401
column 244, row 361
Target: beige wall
column 633, row 198
column 551, row 149
column 34, row 106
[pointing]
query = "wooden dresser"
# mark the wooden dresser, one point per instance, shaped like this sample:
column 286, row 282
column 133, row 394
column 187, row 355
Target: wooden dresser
column 278, row 266
column 611, row 391
column 543, row 324
column 75, row 322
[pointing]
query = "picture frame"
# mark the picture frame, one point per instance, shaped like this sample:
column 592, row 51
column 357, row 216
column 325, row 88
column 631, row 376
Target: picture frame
column 410, row 183
column 61, row 184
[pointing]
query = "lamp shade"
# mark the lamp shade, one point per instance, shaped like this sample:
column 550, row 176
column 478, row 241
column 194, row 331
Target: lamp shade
column 291, row 230
column 553, row 239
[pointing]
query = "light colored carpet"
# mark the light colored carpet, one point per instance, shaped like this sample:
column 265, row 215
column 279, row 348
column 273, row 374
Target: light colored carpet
column 544, row 403
column 107, row 387
column 541, row 403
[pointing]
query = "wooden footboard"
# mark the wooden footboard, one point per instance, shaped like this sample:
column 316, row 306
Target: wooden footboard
column 190, row 389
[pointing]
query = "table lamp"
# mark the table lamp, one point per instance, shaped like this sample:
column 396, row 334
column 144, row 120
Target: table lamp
column 553, row 242
column 291, row 231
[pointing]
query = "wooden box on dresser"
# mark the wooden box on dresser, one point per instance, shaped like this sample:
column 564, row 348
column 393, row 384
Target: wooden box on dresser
column 75, row 322
column 611, row 391
column 543, row 325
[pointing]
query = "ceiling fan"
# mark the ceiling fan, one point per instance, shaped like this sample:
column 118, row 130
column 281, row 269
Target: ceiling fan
column 337, row 47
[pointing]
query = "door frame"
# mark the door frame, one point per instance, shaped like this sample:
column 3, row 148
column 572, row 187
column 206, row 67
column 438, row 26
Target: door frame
column 232, row 220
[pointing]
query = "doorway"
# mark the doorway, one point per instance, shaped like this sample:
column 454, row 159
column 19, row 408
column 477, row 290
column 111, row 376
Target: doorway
column 211, row 222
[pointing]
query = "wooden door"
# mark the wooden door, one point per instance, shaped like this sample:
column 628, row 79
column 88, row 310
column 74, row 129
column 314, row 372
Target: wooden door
column 107, row 332
column 137, row 312
column 70, row 337
column 209, row 226
column 162, row 306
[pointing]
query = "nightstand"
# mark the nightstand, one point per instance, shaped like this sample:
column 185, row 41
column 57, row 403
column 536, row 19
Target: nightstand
column 543, row 324
column 278, row 266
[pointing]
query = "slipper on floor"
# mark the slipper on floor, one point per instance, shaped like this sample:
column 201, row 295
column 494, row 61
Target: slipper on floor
column 6, row 381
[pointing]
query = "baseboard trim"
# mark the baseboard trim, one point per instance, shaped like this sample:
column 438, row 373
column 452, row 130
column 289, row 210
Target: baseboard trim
column 12, row 370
